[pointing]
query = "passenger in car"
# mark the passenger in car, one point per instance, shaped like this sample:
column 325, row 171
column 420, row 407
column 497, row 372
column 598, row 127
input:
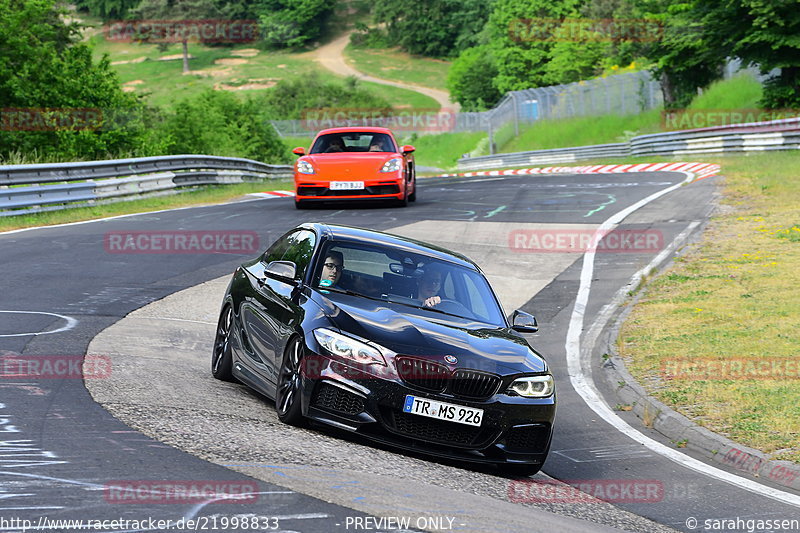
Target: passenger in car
column 336, row 145
column 368, row 286
column 332, row 269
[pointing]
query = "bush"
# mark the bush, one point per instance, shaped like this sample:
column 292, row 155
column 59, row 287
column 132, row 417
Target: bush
column 293, row 23
column 367, row 37
column 218, row 123
column 470, row 79
column 68, row 107
column 289, row 99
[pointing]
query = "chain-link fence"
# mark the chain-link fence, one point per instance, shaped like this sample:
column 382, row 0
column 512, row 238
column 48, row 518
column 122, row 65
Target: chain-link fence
column 620, row 94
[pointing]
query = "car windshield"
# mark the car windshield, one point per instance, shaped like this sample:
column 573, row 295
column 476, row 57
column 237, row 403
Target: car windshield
column 415, row 280
column 353, row 142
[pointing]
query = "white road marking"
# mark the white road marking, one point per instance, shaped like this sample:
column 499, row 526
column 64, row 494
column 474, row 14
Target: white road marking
column 126, row 216
column 71, row 323
column 590, row 395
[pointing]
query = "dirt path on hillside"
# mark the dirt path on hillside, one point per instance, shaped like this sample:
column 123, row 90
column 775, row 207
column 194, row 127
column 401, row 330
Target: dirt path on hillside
column 331, row 56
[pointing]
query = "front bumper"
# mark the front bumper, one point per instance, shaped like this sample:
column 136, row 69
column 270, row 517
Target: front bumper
column 514, row 430
column 391, row 188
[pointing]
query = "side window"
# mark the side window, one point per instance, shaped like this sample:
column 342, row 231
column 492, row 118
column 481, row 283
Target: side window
column 301, row 247
column 276, row 251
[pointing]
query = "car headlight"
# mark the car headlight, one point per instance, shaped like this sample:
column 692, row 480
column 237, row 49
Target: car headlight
column 392, row 165
column 348, row 347
column 304, row 167
column 533, row 386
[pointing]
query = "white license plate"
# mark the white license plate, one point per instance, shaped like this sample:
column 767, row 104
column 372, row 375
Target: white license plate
column 346, row 185
column 443, row 411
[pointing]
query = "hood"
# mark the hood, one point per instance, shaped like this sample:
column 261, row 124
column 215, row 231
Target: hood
column 349, row 164
column 410, row 331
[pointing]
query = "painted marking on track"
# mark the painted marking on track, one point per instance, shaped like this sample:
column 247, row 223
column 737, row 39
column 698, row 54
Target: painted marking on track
column 611, row 199
column 495, row 211
column 591, row 396
column 70, row 323
column 606, row 453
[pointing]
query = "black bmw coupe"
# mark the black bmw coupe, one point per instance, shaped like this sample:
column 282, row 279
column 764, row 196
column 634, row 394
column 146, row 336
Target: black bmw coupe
column 400, row 341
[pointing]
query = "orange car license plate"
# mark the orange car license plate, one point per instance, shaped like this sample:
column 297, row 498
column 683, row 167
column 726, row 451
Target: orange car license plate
column 346, row 185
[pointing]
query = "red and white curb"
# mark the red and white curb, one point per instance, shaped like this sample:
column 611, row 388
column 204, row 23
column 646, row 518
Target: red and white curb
column 272, row 194
column 701, row 170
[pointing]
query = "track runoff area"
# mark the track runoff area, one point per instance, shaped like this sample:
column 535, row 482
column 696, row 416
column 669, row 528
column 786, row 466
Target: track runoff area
column 79, row 454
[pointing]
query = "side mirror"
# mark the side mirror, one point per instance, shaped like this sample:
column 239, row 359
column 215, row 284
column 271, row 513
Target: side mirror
column 299, row 151
column 407, row 149
column 283, row 270
column 524, row 322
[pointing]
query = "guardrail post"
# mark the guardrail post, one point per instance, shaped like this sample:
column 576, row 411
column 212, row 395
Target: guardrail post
column 491, row 136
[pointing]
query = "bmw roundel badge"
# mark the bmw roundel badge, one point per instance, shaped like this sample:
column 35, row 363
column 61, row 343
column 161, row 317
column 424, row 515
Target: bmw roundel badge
column 451, row 359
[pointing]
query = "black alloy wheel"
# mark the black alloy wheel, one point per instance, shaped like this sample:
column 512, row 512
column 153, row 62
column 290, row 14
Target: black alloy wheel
column 287, row 397
column 221, row 357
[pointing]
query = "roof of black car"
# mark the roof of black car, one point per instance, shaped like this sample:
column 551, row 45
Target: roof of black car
column 353, row 234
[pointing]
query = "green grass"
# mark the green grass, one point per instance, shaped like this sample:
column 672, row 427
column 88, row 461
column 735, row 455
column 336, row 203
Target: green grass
column 739, row 92
column 398, row 66
column 444, row 149
column 164, row 83
column 580, row 131
column 402, row 98
column 212, row 194
column 735, row 296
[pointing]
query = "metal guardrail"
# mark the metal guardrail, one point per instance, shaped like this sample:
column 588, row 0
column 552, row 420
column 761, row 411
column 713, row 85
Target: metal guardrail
column 44, row 187
column 545, row 157
column 750, row 137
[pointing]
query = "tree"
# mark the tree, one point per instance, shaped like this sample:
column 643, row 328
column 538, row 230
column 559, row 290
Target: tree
column 436, row 28
column 293, row 23
column 107, row 9
column 521, row 37
column 766, row 34
column 470, row 79
column 58, row 103
column 176, row 10
column 685, row 60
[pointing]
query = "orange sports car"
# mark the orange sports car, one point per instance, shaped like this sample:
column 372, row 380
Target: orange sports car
column 355, row 164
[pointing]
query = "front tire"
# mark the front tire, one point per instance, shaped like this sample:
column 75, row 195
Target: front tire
column 413, row 196
column 287, row 396
column 300, row 205
column 221, row 356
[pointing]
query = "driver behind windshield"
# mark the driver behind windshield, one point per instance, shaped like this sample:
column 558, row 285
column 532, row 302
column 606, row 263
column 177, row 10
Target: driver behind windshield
column 429, row 286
